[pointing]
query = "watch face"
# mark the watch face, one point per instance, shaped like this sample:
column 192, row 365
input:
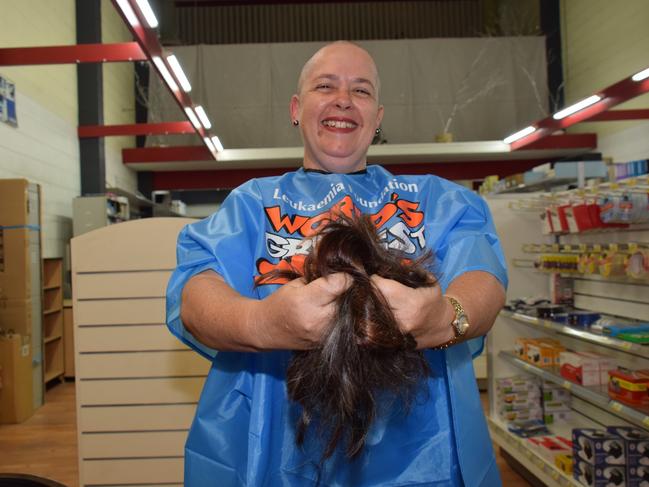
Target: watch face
column 461, row 325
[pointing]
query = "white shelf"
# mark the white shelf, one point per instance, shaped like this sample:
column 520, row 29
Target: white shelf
column 587, row 336
column 536, row 464
column 596, row 395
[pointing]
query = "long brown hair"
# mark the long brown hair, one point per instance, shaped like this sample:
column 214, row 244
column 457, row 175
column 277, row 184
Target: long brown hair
column 363, row 353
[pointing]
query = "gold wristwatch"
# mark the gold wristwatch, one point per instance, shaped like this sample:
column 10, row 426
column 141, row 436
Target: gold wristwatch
column 460, row 324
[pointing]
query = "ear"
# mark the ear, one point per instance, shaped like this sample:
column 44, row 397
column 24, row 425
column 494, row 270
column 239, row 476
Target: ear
column 294, row 107
column 379, row 116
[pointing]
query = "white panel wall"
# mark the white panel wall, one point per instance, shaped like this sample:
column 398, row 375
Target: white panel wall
column 119, row 100
column 43, row 148
column 603, row 42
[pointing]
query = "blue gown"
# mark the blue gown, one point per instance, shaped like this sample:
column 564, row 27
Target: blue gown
column 243, row 432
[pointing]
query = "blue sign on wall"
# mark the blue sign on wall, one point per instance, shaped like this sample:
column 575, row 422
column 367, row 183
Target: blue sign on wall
column 8, row 102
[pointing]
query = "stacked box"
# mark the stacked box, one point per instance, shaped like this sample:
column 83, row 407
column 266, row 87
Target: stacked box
column 542, row 352
column 556, row 403
column 518, row 398
column 636, row 451
column 604, row 364
column 16, row 392
column 580, row 368
column 599, row 457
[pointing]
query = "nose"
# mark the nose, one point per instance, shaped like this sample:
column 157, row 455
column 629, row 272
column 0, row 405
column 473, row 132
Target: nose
column 343, row 100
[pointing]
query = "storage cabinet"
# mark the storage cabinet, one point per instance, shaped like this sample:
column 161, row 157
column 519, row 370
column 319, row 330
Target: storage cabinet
column 53, row 341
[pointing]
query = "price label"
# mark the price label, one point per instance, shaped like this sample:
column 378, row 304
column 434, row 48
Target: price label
column 567, row 248
column 527, row 366
column 616, row 406
column 626, row 345
column 583, row 247
column 555, row 247
column 612, row 247
column 567, row 384
column 547, row 324
column 633, row 247
column 645, row 420
column 555, row 474
column 597, row 248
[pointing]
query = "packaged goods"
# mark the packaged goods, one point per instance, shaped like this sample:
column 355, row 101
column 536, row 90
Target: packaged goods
column 629, row 386
column 579, row 368
column 636, row 450
column 563, row 461
column 598, row 447
column 598, row 476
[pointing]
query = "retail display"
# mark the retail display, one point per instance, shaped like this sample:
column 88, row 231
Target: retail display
column 579, row 334
column 137, row 385
column 53, row 318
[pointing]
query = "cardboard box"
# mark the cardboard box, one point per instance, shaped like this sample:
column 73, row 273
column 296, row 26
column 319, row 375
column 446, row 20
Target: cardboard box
column 598, row 447
column 579, row 368
column 16, row 394
column 19, row 203
column 508, row 385
column 599, row 476
column 18, row 316
column 20, row 269
column 636, row 449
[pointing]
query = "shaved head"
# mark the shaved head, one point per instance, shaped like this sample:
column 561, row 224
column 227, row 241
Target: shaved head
column 313, row 61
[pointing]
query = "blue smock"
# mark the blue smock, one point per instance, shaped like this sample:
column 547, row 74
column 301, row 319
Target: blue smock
column 243, row 433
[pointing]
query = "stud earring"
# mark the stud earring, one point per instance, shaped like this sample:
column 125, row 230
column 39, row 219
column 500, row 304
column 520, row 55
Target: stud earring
column 378, row 131
column 296, row 123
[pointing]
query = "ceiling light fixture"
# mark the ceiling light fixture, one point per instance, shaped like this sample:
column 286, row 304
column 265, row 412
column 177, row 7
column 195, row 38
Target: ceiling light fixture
column 146, row 10
column 180, row 74
column 519, row 135
column 192, row 117
column 644, row 74
column 209, row 144
column 591, row 100
column 203, row 117
column 217, row 144
column 165, row 72
column 128, row 12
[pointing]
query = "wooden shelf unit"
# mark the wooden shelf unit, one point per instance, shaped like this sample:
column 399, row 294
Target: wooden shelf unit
column 53, row 319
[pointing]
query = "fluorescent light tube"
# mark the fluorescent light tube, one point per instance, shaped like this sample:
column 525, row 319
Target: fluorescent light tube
column 519, row 135
column 591, row 100
column 217, row 143
column 203, row 117
column 209, row 144
column 165, row 72
column 644, row 74
column 192, row 117
column 180, row 74
column 146, row 10
column 128, row 12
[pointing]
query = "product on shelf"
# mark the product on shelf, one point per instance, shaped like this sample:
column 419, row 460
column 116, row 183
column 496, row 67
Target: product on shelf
column 599, row 457
column 602, row 476
column 582, row 319
column 518, row 399
column 563, row 462
column 549, row 447
column 528, row 428
column 556, row 403
column 549, row 310
column 604, row 364
column 542, row 352
column 637, row 265
column 629, row 386
column 636, row 451
column 517, row 383
column 583, row 368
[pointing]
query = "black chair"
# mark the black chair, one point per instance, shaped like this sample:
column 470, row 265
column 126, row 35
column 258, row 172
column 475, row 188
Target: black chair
column 22, row 480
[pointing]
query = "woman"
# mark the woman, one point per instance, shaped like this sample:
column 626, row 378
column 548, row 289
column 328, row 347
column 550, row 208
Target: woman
column 243, row 433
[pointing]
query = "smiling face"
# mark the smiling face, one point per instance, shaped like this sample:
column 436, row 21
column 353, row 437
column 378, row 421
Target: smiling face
column 337, row 107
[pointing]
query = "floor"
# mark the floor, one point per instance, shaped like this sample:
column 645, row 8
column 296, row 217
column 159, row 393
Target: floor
column 46, row 444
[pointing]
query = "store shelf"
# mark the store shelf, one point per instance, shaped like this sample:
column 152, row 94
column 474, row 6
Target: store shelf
column 543, row 185
column 595, row 395
column 53, row 374
column 584, row 335
column 538, row 465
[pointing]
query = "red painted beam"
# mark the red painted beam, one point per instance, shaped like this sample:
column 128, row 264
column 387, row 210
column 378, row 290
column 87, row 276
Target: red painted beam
column 231, row 178
column 565, row 141
column 611, row 96
column 148, row 40
column 163, row 128
column 81, row 53
column 613, row 115
column 167, row 154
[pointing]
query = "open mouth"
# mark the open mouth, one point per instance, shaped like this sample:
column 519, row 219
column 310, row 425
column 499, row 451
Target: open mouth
column 339, row 124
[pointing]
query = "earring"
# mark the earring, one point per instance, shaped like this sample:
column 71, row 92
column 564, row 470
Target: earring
column 378, row 131
column 296, row 123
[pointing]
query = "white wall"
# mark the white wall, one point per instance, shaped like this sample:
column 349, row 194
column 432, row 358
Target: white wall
column 603, row 42
column 44, row 147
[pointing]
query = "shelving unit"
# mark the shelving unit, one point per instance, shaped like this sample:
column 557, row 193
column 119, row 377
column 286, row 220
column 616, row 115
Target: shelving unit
column 617, row 296
column 53, row 319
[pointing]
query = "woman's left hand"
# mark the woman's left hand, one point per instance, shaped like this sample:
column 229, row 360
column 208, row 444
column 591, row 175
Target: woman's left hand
column 424, row 312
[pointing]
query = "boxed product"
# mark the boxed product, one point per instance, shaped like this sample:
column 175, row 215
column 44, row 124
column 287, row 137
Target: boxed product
column 563, row 462
column 549, row 447
column 629, row 386
column 517, row 384
column 553, row 393
column 557, row 416
column 543, row 354
column 598, row 475
column 512, row 397
column 528, row 428
column 597, row 447
column 521, row 404
column 16, row 393
column 579, row 368
column 636, row 450
column 529, row 414
column 604, row 364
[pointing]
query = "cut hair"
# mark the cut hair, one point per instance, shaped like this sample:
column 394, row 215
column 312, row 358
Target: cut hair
column 363, row 358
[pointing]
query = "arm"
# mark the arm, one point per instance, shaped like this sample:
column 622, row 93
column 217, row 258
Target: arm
column 427, row 314
column 291, row 318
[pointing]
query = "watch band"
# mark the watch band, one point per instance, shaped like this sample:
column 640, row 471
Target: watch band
column 459, row 311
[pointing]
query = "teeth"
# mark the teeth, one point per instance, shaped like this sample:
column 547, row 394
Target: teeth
column 338, row 124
